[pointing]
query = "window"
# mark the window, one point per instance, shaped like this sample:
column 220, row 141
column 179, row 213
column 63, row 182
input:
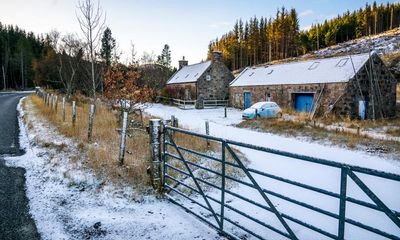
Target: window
column 187, row 76
column 208, row 77
column 251, row 74
column 270, row 71
column 342, row 62
column 268, row 97
column 237, row 97
column 313, row 66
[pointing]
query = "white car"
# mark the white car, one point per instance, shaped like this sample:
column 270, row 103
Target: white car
column 262, row 110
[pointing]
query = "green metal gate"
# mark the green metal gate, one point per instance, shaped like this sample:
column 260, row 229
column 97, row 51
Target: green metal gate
column 179, row 179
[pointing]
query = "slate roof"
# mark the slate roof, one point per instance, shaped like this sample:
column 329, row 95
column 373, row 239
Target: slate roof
column 328, row 70
column 190, row 73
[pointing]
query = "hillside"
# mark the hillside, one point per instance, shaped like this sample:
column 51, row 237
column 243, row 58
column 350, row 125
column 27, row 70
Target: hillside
column 386, row 44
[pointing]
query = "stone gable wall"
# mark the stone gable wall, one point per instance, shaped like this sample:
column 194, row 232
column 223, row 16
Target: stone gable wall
column 218, row 86
column 383, row 98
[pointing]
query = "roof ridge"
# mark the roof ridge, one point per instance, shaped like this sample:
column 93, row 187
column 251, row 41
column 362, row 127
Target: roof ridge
column 267, row 64
column 195, row 64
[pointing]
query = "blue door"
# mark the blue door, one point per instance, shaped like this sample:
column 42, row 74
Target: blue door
column 247, row 100
column 303, row 102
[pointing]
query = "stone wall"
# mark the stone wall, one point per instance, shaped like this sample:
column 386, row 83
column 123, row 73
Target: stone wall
column 379, row 91
column 216, row 86
column 283, row 94
column 212, row 84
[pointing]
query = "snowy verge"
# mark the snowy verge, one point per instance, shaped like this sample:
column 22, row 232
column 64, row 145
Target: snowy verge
column 67, row 201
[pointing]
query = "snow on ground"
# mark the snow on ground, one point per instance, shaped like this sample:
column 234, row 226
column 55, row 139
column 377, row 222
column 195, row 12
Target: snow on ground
column 68, row 202
column 308, row 173
column 386, row 42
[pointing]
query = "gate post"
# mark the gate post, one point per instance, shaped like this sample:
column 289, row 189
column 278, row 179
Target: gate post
column 155, row 150
column 164, row 157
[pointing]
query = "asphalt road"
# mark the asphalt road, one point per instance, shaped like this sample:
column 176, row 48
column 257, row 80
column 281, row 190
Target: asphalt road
column 15, row 220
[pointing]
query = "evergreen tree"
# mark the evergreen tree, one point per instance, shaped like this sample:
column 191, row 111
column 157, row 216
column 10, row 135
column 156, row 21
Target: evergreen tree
column 260, row 40
column 107, row 47
column 165, row 57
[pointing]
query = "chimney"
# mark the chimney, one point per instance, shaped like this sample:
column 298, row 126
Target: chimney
column 217, row 55
column 183, row 62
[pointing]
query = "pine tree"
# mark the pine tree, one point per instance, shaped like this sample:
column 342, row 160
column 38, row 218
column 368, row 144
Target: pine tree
column 165, row 57
column 107, row 47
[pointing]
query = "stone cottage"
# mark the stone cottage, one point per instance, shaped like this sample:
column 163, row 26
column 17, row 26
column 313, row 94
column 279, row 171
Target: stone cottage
column 206, row 80
column 358, row 86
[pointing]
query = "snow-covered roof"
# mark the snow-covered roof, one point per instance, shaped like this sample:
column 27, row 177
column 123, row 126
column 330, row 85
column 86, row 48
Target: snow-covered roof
column 189, row 73
column 328, row 70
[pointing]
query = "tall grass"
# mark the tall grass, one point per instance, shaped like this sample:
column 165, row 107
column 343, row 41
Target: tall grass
column 102, row 151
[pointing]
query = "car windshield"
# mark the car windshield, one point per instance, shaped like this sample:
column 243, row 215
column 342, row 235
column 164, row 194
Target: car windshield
column 257, row 105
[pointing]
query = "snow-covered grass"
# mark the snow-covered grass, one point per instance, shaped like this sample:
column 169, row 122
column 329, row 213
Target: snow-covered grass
column 323, row 177
column 102, row 152
column 68, row 201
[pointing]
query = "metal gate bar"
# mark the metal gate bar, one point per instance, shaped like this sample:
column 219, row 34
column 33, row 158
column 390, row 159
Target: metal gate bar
column 219, row 217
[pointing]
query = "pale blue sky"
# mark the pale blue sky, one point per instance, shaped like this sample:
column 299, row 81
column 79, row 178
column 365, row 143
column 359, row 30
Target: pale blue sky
column 187, row 26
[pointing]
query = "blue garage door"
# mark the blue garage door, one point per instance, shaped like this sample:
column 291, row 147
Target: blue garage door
column 303, row 102
column 247, row 100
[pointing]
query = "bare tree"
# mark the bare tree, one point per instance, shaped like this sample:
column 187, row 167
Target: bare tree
column 148, row 58
column 91, row 19
column 133, row 60
column 53, row 38
column 69, row 60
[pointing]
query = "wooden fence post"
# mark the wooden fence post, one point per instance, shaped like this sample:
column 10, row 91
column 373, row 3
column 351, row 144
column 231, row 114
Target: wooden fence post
column 123, row 138
column 174, row 123
column 63, row 108
column 91, row 120
column 155, row 147
column 73, row 113
column 208, row 133
column 51, row 101
column 225, row 113
column 56, row 103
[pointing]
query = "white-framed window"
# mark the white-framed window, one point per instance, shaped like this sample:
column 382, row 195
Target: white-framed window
column 208, row 77
column 237, row 98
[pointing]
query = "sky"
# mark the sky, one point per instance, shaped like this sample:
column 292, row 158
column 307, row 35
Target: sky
column 186, row 26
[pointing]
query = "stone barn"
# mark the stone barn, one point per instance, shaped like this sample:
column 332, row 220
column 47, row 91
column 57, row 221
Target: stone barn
column 206, row 80
column 358, row 86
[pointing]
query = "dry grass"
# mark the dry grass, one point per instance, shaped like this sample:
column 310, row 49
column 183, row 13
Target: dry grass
column 102, row 152
column 301, row 129
column 394, row 132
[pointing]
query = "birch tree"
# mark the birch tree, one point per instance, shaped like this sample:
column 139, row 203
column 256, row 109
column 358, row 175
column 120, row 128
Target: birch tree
column 91, row 18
